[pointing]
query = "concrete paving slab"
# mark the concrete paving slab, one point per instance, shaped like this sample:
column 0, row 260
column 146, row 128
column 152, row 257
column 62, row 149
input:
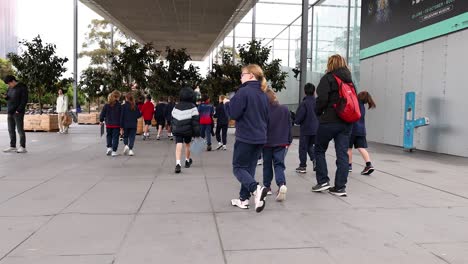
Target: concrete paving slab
column 112, row 197
column 280, row 256
column 75, row 235
column 172, row 238
column 15, row 230
column 94, row 259
column 453, row 253
column 9, row 189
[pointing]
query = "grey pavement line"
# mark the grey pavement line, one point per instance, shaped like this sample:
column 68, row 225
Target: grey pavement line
column 412, row 181
column 440, row 243
column 221, row 245
column 440, row 257
column 50, row 179
column 130, row 225
column 50, row 219
column 271, row 249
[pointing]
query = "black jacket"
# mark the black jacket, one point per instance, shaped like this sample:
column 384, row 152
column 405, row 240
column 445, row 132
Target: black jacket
column 220, row 114
column 17, row 98
column 185, row 117
column 305, row 116
column 327, row 95
column 160, row 111
column 129, row 117
column 168, row 112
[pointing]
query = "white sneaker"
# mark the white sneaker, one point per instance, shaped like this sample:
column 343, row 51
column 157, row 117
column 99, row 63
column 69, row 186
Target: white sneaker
column 259, row 197
column 281, row 193
column 125, row 150
column 10, row 149
column 260, row 162
column 21, row 150
column 157, row 137
column 131, row 153
column 108, row 151
column 220, row 145
column 60, row 132
column 241, row 204
column 224, row 147
column 114, row 154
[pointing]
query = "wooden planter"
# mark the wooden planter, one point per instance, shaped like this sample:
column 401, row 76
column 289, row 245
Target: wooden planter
column 140, row 126
column 41, row 122
column 92, row 118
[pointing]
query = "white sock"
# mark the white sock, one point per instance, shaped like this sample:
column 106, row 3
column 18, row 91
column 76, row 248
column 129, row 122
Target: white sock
column 188, row 160
column 178, row 162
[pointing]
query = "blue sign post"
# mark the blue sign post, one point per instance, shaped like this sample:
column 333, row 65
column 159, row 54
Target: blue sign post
column 410, row 122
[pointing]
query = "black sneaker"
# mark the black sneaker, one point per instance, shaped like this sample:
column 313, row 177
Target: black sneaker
column 301, row 169
column 208, row 148
column 178, row 168
column 188, row 163
column 367, row 170
column 321, row 187
column 337, row 192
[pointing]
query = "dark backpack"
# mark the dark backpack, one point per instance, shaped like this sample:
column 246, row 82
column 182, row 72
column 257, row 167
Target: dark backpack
column 347, row 107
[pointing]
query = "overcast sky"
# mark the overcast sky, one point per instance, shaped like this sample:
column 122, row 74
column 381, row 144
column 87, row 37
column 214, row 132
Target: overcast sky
column 53, row 21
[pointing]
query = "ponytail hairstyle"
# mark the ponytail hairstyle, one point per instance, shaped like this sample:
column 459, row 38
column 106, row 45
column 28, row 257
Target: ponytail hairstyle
column 366, row 98
column 257, row 72
column 129, row 98
column 272, row 99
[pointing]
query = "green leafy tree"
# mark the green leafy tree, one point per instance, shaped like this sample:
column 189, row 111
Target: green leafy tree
column 167, row 77
column 98, row 46
column 133, row 64
column 95, row 83
column 5, row 69
column 39, row 67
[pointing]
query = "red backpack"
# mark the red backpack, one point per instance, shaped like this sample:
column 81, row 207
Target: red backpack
column 347, row 107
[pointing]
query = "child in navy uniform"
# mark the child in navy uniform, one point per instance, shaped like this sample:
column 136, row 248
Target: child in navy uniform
column 110, row 115
column 222, row 122
column 307, row 119
column 358, row 134
column 278, row 140
column 160, row 116
column 128, row 121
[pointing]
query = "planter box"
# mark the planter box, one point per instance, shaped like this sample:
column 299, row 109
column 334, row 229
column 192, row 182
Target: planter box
column 92, row 118
column 153, row 122
column 41, row 122
column 232, row 123
column 140, row 126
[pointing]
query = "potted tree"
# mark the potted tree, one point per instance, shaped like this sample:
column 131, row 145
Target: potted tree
column 40, row 69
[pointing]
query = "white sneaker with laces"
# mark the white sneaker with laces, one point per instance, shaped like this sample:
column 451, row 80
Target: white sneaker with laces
column 114, row 154
column 281, row 193
column 10, row 149
column 259, row 196
column 241, row 204
column 131, row 153
column 126, row 150
column 224, row 147
column 108, row 151
column 21, row 150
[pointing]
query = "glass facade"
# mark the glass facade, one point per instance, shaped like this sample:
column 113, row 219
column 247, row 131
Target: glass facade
column 8, row 38
column 333, row 28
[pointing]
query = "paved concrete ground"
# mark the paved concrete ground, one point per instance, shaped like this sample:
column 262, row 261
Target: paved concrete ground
column 66, row 202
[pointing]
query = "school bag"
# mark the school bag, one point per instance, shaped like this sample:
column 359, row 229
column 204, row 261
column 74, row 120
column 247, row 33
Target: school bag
column 347, row 107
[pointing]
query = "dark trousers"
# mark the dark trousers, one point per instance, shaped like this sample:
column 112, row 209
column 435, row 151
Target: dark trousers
column 205, row 132
column 340, row 133
column 273, row 159
column 221, row 131
column 306, row 146
column 129, row 137
column 244, row 163
column 16, row 121
column 112, row 136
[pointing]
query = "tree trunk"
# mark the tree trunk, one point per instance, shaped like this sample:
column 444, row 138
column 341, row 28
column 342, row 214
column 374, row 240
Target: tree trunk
column 89, row 106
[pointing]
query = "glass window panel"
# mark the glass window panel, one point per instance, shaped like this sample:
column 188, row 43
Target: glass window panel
column 277, row 13
column 354, row 41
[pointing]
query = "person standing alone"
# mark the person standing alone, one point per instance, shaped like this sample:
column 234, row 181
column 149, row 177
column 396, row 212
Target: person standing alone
column 62, row 108
column 17, row 98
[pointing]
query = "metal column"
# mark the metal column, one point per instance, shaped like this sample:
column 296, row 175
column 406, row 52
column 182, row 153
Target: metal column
column 349, row 25
column 303, row 60
column 254, row 15
column 234, row 44
column 75, row 54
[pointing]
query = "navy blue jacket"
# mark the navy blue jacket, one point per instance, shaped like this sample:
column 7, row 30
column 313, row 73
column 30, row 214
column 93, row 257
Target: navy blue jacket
column 168, row 111
column 17, row 98
column 359, row 128
column 220, row 114
column 129, row 117
column 306, row 117
column 249, row 107
column 111, row 114
column 279, row 129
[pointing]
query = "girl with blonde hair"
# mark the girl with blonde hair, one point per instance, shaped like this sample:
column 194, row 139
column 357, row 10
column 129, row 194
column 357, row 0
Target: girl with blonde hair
column 110, row 115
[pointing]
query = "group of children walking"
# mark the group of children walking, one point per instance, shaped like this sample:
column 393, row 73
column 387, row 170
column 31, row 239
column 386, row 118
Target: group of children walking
column 263, row 128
